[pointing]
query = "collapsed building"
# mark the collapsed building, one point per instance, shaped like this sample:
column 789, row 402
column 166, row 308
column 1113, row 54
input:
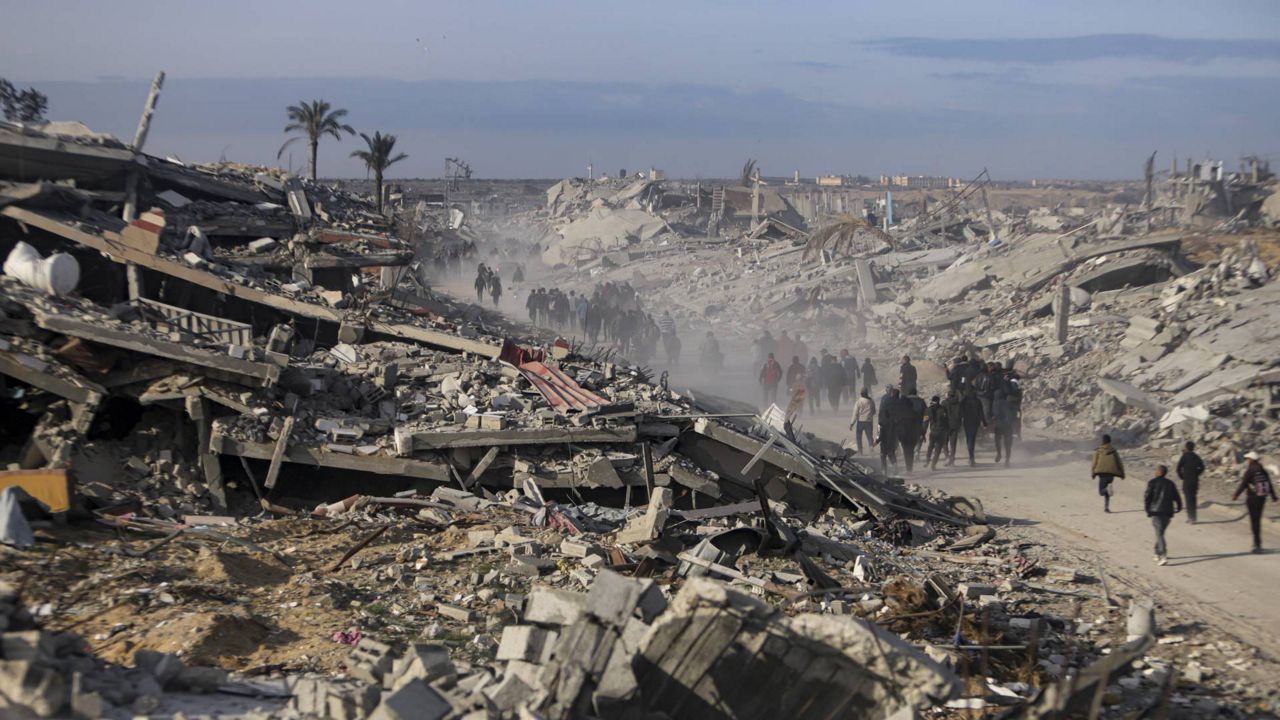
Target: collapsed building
column 235, row 408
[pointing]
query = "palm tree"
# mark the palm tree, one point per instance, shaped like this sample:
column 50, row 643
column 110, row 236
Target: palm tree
column 847, row 235
column 378, row 157
column 313, row 121
column 747, row 170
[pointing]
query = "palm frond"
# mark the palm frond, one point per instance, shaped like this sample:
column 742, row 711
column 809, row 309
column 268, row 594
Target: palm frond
column 286, row 144
column 847, row 235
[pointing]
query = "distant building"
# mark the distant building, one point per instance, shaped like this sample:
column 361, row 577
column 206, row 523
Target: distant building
column 830, row 180
column 920, row 182
column 656, row 174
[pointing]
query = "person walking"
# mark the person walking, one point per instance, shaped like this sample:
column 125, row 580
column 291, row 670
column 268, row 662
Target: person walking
column 1190, row 468
column 1107, row 466
column 916, row 424
column 1257, row 487
column 907, row 376
column 770, row 376
column 972, row 418
column 482, row 282
column 833, row 379
column 495, row 288
column 869, row 378
column 952, row 404
column 795, row 380
column 850, row 365
column 813, row 386
column 1162, row 502
column 1003, row 418
column 864, row 417
column 887, row 420
column 939, row 431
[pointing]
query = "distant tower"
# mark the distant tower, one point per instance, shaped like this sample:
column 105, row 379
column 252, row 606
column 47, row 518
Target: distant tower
column 797, row 177
column 591, row 171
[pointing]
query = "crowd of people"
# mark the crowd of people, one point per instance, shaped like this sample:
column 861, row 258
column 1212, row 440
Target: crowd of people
column 612, row 313
column 488, row 281
column 901, row 423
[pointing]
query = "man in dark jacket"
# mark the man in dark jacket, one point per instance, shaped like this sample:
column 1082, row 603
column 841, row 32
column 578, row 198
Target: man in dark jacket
column 952, row 404
column 1162, row 502
column 869, row 378
column 910, row 422
column 1003, row 419
column 939, row 431
column 888, row 421
column 833, row 379
column 850, row 365
column 972, row 418
column 1190, row 468
column 907, row 376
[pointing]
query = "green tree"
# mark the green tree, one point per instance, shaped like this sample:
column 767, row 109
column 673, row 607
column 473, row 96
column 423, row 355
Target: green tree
column 313, row 121
column 379, row 157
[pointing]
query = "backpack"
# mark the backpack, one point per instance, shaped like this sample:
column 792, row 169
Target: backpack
column 1261, row 485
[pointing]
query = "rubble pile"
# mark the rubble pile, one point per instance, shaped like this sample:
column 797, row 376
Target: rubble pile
column 1198, row 360
column 268, row 472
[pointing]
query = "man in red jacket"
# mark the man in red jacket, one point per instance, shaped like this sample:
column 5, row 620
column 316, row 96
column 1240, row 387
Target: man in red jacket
column 770, row 376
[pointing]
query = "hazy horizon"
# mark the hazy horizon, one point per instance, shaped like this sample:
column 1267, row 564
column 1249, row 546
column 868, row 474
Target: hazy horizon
column 520, row 91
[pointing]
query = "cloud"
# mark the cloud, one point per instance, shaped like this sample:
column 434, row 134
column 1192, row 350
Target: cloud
column 1049, row 51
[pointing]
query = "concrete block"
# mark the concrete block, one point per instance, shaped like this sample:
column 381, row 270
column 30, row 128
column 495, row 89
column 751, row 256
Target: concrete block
column 423, row 661
column 552, row 606
column 507, row 693
column 371, row 660
column 262, row 245
column 614, row 598
column 415, row 701
column 578, row 549
column 973, row 591
column 453, row 612
column 524, row 642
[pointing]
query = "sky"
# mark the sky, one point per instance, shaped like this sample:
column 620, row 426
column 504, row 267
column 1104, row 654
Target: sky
column 1026, row 89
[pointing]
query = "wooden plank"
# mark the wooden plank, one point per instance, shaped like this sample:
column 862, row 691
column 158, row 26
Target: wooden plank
column 439, row 440
column 262, row 374
column 277, row 453
column 318, row 457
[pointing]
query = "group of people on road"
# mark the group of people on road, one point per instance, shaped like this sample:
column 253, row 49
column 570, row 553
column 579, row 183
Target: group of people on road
column 612, row 313
column 1161, row 499
column 487, row 281
column 809, row 378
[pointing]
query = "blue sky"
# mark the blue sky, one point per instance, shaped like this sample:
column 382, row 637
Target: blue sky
column 538, row 89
